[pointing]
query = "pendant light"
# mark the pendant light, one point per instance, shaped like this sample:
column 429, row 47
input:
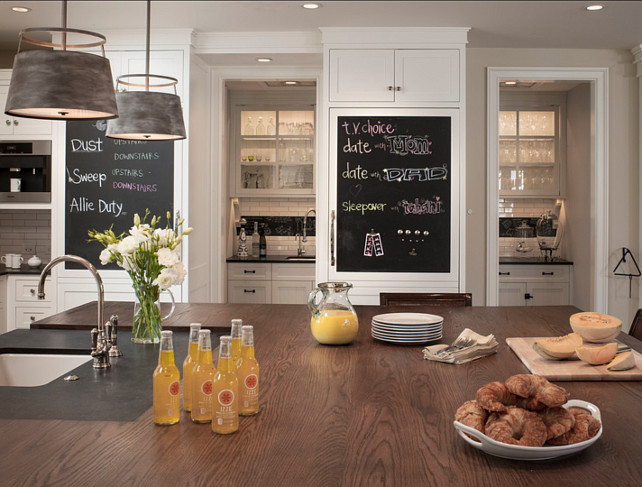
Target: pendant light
column 58, row 84
column 147, row 115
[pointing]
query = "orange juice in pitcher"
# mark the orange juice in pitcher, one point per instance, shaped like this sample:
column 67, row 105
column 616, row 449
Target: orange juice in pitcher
column 334, row 320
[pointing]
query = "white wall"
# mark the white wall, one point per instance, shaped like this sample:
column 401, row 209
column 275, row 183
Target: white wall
column 578, row 157
column 623, row 160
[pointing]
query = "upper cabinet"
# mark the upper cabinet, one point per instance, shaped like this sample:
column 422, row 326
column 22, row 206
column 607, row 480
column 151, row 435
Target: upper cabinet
column 273, row 151
column 165, row 63
column 389, row 75
column 531, row 146
column 18, row 125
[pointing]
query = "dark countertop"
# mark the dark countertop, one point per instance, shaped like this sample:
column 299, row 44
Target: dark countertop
column 24, row 269
column 371, row 413
column 272, row 259
column 532, row 261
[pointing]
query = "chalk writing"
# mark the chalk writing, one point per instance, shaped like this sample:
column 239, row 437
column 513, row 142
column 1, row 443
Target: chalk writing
column 422, row 206
column 407, row 144
column 349, row 206
column 415, row 174
column 368, row 128
column 78, row 145
column 354, row 173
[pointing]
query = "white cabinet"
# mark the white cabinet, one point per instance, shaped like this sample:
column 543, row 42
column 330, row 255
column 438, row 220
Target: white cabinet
column 534, row 285
column 388, row 75
column 3, row 304
column 266, row 283
column 165, row 63
column 23, row 305
column 273, row 151
column 18, row 125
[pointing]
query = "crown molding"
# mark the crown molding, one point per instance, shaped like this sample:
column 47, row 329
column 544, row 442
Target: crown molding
column 256, row 42
column 387, row 36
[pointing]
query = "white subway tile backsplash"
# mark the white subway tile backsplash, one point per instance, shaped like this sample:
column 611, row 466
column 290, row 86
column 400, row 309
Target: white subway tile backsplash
column 26, row 229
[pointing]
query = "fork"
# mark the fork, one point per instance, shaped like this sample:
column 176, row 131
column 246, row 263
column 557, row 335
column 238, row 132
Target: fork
column 458, row 344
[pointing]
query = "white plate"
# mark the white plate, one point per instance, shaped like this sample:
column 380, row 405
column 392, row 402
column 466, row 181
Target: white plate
column 516, row 452
column 408, row 340
column 408, row 319
column 406, row 335
column 438, row 326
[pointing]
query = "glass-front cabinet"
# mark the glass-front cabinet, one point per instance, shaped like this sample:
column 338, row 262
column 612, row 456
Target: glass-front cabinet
column 274, row 153
column 530, row 158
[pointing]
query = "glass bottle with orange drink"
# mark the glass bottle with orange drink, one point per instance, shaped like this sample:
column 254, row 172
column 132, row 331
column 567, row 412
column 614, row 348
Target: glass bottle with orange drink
column 225, row 391
column 188, row 365
column 247, row 370
column 167, row 386
column 236, row 339
column 202, row 376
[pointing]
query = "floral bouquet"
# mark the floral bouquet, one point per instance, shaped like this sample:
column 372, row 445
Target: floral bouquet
column 151, row 257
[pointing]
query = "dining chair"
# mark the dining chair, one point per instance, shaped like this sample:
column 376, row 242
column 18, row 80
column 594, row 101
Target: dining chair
column 636, row 325
column 430, row 299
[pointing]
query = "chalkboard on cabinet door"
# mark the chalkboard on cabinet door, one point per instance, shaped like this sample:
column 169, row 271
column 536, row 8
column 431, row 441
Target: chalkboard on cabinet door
column 108, row 181
column 393, row 193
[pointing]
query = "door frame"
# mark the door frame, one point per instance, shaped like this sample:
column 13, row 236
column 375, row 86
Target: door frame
column 599, row 166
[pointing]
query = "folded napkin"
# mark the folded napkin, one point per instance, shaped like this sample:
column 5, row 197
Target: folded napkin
column 481, row 347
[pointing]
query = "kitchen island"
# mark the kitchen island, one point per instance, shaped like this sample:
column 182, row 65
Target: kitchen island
column 371, row 413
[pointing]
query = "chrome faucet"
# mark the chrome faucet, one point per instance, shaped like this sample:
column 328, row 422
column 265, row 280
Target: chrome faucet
column 304, row 238
column 101, row 337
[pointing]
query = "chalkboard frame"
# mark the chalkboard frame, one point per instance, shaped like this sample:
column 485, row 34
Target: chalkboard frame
column 448, row 279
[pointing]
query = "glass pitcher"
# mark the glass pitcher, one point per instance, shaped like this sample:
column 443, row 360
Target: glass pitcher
column 334, row 320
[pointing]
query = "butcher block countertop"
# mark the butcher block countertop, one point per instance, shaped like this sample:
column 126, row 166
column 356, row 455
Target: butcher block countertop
column 367, row 414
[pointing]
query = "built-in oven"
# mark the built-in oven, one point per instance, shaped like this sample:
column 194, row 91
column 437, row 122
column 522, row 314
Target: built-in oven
column 25, row 171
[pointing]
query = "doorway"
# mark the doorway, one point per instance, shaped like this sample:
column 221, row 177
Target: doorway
column 596, row 176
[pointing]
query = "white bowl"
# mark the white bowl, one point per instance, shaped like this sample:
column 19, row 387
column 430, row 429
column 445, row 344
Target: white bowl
column 532, row 453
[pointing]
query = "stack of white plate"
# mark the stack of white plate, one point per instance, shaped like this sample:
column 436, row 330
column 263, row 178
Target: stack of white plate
column 407, row 327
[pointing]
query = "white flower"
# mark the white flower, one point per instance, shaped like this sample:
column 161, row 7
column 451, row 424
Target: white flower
column 164, row 235
column 167, row 257
column 141, row 233
column 170, row 276
column 180, row 272
column 108, row 254
column 128, row 245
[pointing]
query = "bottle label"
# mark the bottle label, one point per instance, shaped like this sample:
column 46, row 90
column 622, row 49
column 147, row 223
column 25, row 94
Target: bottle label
column 206, row 387
column 251, row 381
column 226, row 397
column 174, row 388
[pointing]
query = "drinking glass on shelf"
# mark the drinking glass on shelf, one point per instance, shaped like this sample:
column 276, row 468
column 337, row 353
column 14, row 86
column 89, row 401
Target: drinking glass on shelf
column 250, row 157
column 243, row 156
column 258, row 157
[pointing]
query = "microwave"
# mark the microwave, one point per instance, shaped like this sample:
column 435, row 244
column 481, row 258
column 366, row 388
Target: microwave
column 25, row 171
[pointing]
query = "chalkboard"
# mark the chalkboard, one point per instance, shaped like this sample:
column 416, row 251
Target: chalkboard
column 108, row 181
column 393, row 194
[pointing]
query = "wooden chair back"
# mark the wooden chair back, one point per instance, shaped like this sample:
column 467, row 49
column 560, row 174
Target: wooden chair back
column 430, row 299
column 636, row 325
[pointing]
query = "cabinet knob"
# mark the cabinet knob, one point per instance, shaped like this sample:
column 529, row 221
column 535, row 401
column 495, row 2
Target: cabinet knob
column 246, row 271
column 32, row 291
column 397, row 88
column 504, row 273
column 8, row 122
column 32, row 318
column 250, row 291
column 16, row 122
column 391, row 88
column 528, row 296
column 548, row 273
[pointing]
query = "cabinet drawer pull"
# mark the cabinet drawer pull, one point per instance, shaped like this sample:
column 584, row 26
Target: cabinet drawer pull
column 504, row 273
column 548, row 273
column 245, row 271
column 397, row 88
column 528, row 296
column 390, row 88
column 32, row 291
column 250, row 291
column 32, row 318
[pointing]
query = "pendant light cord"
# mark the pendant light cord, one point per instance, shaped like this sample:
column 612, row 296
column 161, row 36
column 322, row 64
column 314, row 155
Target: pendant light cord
column 64, row 25
column 148, row 42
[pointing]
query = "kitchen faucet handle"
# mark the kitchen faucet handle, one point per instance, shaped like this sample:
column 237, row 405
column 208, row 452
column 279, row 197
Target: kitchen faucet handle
column 114, row 351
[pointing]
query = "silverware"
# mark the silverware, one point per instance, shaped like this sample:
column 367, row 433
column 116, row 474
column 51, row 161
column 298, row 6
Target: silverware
column 458, row 344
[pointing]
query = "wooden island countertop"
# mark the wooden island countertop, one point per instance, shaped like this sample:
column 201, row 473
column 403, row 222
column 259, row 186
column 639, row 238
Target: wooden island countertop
column 368, row 414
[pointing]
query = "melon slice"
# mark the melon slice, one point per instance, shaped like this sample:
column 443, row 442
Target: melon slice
column 558, row 348
column 597, row 355
column 595, row 327
column 622, row 361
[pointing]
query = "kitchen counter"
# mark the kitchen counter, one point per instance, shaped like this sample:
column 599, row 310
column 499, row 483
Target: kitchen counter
column 371, row 413
column 24, row 269
column 532, row 261
column 274, row 259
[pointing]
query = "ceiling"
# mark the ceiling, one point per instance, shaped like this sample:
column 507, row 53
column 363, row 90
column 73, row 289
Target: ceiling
column 521, row 24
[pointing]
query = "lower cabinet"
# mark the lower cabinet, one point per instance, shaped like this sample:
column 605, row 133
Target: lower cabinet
column 267, row 283
column 22, row 306
column 534, row 285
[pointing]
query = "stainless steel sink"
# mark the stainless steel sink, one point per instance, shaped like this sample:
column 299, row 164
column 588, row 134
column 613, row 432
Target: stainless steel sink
column 36, row 369
column 301, row 258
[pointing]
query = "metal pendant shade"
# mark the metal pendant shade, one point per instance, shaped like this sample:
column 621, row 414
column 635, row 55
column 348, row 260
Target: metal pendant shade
column 58, row 84
column 147, row 115
column 61, row 85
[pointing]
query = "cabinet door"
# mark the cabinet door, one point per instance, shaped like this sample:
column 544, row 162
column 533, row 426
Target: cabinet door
column 18, row 125
column 25, row 315
column 362, row 75
column 291, row 292
column 512, row 293
column 427, row 75
column 548, row 293
column 258, row 292
column 164, row 63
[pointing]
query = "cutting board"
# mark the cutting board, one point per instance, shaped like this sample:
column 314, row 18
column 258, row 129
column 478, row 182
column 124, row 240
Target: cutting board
column 568, row 370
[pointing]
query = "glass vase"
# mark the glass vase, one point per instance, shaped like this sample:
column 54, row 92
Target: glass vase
column 146, row 326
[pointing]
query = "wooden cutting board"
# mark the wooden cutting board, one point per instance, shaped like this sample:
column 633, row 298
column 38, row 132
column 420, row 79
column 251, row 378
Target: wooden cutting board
column 569, row 370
